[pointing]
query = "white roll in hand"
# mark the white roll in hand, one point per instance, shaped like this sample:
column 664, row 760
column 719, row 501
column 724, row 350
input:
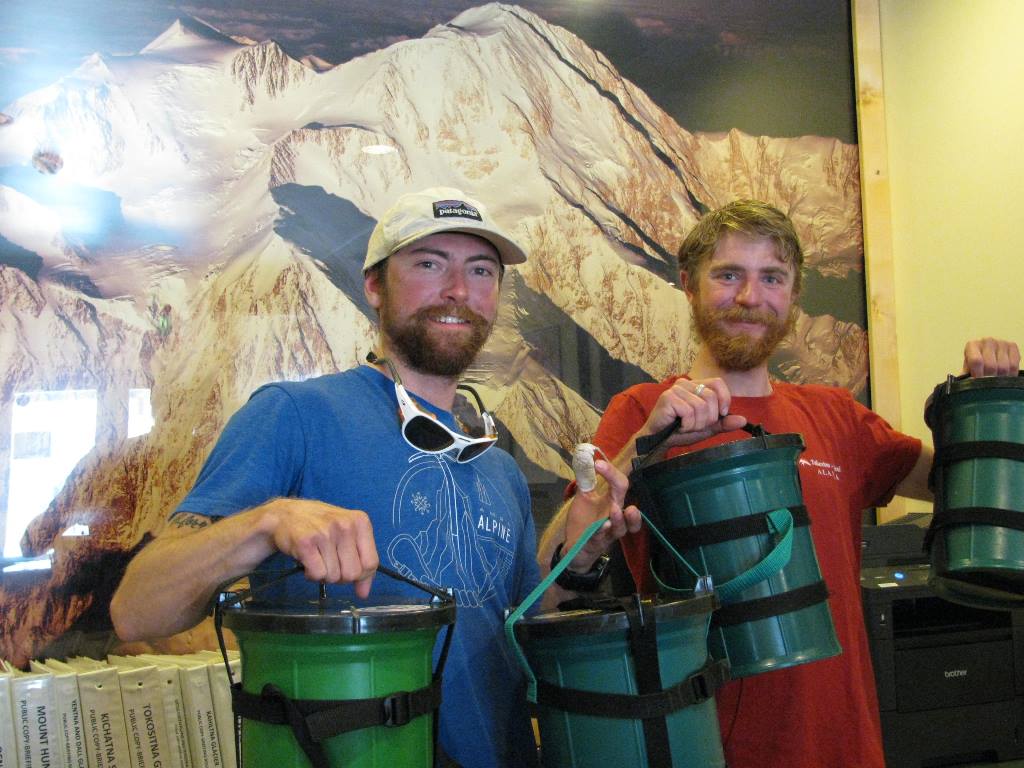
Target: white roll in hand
column 583, row 466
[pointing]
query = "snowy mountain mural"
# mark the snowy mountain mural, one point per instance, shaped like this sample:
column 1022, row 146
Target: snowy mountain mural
column 190, row 220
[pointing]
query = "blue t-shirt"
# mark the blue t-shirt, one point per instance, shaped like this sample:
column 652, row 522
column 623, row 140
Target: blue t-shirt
column 465, row 527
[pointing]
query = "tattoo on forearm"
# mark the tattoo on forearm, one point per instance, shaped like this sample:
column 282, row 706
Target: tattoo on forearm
column 189, row 520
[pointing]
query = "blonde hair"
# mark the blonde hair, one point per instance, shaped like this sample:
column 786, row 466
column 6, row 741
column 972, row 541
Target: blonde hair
column 751, row 218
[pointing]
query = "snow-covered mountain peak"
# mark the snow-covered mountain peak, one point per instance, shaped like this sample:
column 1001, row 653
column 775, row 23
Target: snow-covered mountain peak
column 316, row 63
column 484, row 19
column 188, row 35
column 93, row 68
column 266, row 68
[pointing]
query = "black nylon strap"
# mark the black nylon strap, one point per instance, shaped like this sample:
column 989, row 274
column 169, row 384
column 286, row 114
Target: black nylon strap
column 293, row 717
column 952, row 453
column 733, row 528
column 694, row 689
column 643, row 646
column 1003, row 518
column 326, row 718
column 979, row 449
column 766, row 607
column 314, row 720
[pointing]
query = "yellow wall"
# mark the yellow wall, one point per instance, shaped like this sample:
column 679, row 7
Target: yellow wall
column 954, row 104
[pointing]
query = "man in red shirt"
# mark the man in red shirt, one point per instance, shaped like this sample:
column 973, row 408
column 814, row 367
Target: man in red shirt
column 741, row 270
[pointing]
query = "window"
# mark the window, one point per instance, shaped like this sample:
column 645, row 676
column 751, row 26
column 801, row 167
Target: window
column 50, row 433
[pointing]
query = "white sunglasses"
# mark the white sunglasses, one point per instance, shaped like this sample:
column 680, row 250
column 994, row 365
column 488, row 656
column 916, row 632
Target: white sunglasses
column 422, row 430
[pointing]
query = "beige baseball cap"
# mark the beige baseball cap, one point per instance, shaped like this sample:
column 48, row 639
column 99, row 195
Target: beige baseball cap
column 437, row 209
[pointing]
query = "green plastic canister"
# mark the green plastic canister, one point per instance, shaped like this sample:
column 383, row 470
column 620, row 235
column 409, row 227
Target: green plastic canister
column 338, row 650
column 588, row 650
column 976, row 540
column 734, row 512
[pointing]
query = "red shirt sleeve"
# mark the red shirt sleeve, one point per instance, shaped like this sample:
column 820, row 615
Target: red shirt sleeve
column 624, row 416
column 885, row 457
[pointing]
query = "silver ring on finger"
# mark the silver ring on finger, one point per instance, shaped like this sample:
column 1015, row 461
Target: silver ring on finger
column 698, row 389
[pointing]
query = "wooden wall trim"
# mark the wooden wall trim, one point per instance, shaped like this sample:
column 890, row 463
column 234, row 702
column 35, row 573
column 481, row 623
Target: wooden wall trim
column 876, row 211
column 879, row 268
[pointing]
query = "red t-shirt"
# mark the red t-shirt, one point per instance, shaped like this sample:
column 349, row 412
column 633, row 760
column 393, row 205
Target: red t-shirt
column 823, row 714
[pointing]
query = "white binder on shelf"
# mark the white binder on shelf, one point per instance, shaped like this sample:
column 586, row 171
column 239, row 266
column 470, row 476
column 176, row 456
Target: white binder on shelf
column 220, row 685
column 35, row 719
column 174, row 706
column 201, row 720
column 143, row 698
column 8, row 741
column 102, row 712
column 68, row 704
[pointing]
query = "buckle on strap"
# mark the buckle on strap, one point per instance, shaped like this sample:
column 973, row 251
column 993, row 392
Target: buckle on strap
column 396, row 709
column 702, row 691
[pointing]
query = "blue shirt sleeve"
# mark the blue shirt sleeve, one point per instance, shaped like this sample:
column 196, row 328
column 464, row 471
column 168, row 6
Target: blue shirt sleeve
column 259, row 456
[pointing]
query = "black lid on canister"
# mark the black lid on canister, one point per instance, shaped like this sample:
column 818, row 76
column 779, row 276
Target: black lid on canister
column 338, row 617
column 956, row 385
column 722, row 453
column 607, row 619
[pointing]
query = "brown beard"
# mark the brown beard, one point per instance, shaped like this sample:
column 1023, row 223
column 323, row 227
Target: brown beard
column 739, row 352
column 412, row 341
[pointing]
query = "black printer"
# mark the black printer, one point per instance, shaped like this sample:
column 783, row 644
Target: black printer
column 950, row 678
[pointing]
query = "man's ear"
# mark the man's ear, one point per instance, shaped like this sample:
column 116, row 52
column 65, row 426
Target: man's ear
column 373, row 287
column 684, row 283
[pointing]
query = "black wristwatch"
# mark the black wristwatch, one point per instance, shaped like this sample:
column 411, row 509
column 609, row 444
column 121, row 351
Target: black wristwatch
column 580, row 582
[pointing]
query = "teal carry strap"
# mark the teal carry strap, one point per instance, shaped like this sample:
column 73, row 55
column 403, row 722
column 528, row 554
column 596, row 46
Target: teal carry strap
column 780, row 522
column 518, row 613
column 561, row 565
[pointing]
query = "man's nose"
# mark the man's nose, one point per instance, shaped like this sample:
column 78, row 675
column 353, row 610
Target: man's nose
column 456, row 287
column 749, row 294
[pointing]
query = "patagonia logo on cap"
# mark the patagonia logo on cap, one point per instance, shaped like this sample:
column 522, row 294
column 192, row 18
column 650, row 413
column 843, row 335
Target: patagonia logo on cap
column 444, row 209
